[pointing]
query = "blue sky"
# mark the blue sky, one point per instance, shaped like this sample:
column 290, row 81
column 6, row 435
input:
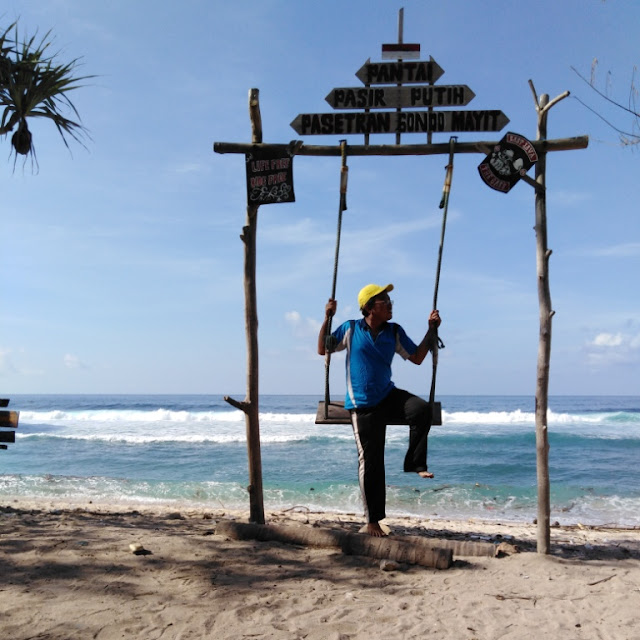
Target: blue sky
column 122, row 268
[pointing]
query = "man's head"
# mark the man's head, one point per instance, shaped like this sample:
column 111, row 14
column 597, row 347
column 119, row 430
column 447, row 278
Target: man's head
column 372, row 294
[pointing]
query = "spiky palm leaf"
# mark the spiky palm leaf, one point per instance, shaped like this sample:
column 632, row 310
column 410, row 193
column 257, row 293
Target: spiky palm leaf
column 34, row 85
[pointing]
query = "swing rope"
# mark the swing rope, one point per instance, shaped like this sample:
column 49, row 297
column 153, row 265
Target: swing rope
column 444, row 204
column 344, row 174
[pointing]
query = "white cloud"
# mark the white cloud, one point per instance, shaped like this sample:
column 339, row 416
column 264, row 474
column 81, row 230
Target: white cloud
column 301, row 232
column 607, row 340
column 624, row 250
column 302, row 327
column 189, row 167
column 11, row 366
column 73, row 362
column 614, row 349
column 6, row 363
column 570, row 198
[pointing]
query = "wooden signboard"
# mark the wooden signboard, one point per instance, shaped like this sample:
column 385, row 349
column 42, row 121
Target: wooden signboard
column 398, row 97
column 269, row 177
column 509, row 161
column 8, row 420
column 417, row 72
column 307, row 124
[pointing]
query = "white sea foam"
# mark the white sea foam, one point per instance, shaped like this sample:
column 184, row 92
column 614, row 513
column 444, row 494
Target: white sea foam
column 163, row 425
column 106, row 415
column 216, row 417
column 147, row 432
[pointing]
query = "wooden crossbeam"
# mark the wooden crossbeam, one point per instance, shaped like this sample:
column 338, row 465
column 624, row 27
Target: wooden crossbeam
column 7, row 436
column 559, row 144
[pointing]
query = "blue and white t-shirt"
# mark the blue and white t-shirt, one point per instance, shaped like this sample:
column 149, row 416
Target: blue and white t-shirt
column 368, row 360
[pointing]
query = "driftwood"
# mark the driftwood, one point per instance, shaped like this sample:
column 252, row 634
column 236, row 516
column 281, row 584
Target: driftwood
column 466, row 548
column 425, row 552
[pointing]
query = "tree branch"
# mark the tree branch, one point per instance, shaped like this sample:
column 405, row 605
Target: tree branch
column 607, row 98
column 620, row 131
column 557, row 99
column 243, row 406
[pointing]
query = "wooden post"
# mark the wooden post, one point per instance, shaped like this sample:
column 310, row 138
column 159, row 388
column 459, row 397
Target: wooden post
column 544, row 344
column 400, row 41
column 250, row 406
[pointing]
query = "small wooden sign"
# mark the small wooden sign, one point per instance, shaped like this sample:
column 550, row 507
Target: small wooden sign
column 9, row 419
column 509, row 161
column 307, row 124
column 269, row 177
column 399, row 97
column 416, row 72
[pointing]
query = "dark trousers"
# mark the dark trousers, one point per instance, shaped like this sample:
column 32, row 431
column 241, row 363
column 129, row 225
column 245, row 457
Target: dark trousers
column 370, row 428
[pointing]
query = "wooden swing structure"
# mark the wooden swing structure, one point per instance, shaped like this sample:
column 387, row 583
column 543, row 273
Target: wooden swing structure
column 542, row 146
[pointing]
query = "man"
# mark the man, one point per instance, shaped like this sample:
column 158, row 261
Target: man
column 372, row 398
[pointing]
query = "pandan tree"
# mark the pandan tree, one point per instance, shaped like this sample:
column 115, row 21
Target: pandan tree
column 33, row 84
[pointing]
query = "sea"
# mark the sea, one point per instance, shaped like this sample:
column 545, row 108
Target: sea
column 190, row 451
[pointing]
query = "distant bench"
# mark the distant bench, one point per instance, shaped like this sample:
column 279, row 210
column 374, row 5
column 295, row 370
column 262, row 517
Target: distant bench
column 8, row 424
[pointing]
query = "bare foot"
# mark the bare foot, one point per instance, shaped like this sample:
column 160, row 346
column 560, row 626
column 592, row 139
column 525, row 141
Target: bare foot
column 375, row 530
column 425, row 474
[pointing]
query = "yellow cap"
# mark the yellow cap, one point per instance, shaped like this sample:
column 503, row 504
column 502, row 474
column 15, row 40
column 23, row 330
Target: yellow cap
column 371, row 290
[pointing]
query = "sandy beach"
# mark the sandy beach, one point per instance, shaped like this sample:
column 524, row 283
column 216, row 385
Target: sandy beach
column 69, row 571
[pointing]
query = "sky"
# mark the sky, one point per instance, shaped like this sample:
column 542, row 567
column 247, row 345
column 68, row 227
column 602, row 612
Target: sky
column 122, row 264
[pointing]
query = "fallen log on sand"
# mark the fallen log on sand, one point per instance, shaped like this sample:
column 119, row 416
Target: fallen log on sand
column 410, row 551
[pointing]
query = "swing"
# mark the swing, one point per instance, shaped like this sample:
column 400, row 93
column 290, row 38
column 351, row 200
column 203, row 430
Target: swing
column 333, row 411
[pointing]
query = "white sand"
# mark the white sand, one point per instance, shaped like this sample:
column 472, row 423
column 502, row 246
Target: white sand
column 67, row 572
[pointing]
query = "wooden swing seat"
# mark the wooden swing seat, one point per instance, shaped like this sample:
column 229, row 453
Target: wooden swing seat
column 337, row 414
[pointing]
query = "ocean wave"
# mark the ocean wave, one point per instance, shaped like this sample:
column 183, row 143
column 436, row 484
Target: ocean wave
column 624, row 417
column 167, row 415
column 227, row 427
column 518, row 417
column 159, row 415
column 169, row 438
column 106, row 415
